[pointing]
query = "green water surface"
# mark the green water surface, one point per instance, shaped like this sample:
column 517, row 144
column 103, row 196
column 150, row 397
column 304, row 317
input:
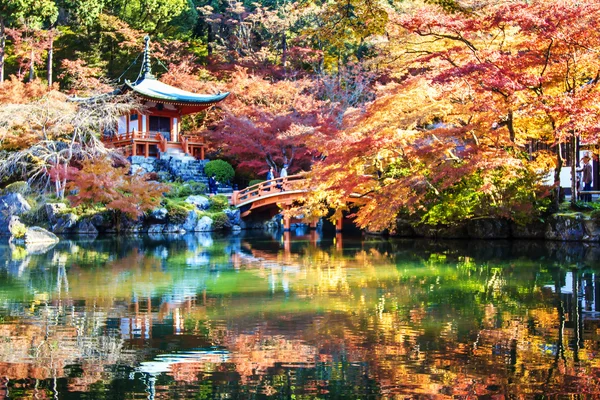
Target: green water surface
column 253, row 317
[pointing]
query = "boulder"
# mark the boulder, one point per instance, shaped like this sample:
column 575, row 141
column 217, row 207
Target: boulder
column 102, row 223
column 7, row 224
column 13, row 204
column 37, row 235
column 53, row 211
column 155, row 229
column 234, row 217
column 191, row 221
column 404, row 228
column 86, row 228
column 488, row 228
column 173, row 228
column 591, row 230
column 200, row 202
column 159, row 215
column 204, row 225
column 565, row 227
column 441, row 231
column 65, row 223
column 533, row 230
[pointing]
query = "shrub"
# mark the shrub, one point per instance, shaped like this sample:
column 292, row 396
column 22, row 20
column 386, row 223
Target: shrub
column 178, row 190
column 177, row 211
column 197, row 187
column 18, row 230
column 218, row 202
column 595, row 215
column 20, row 187
column 220, row 221
column 255, row 182
column 222, row 170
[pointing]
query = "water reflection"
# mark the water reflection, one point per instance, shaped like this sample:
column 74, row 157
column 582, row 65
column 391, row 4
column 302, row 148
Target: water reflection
column 260, row 317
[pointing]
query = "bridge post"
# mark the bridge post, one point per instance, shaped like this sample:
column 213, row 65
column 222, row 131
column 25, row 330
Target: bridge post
column 313, row 224
column 338, row 225
column 287, row 225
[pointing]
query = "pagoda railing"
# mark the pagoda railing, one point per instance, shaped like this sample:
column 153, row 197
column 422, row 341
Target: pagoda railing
column 139, row 142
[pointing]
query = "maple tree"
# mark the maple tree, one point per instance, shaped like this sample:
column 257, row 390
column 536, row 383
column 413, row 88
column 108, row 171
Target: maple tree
column 98, row 183
column 50, row 132
column 268, row 122
column 449, row 138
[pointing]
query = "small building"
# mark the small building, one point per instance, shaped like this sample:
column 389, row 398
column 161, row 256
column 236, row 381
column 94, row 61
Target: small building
column 157, row 128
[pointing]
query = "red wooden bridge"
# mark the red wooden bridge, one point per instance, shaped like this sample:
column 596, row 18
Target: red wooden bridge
column 275, row 195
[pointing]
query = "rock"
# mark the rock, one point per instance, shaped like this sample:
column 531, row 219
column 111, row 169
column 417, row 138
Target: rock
column 204, row 225
column 37, row 235
column 592, row 230
column 236, row 228
column 441, row 231
column 65, row 223
column 200, row 202
column 53, row 211
column 234, row 217
column 533, row 230
column 86, row 228
column 101, row 223
column 7, row 224
column 155, row 229
column 135, row 169
column 160, row 214
column 565, row 227
column 403, row 228
column 191, row 221
column 13, row 204
column 488, row 228
column 173, row 228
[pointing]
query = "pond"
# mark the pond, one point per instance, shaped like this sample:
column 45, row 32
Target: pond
column 254, row 316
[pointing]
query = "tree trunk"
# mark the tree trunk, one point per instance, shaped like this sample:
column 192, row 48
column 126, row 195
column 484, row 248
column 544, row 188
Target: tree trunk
column 283, row 50
column 32, row 66
column 2, row 47
column 559, row 164
column 50, row 54
column 510, row 126
column 573, row 169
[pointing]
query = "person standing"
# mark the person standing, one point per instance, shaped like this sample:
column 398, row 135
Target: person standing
column 586, row 178
column 282, row 175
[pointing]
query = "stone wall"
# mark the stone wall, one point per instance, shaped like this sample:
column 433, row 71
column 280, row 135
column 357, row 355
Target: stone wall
column 560, row 227
column 171, row 168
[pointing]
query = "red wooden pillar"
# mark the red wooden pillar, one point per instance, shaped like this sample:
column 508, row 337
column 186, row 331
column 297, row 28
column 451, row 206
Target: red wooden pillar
column 286, row 224
column 338, row 241
column 338, row 224
column 147, row 152
column 202, row 153
column 313, row 224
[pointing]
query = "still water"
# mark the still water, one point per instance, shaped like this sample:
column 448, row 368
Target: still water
column 255, row 317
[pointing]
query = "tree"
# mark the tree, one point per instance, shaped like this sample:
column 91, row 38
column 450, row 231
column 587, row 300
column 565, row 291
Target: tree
column 98, row 183
column 269, row 122
column 528, row 67
column 448, row 139
column 32, row 13
column 50, row 133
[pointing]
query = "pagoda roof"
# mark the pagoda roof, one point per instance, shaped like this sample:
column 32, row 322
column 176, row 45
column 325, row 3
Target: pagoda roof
column 152, row 89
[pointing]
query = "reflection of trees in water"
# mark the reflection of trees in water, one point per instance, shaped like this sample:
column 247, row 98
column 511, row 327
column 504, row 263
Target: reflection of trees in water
column 385, row 317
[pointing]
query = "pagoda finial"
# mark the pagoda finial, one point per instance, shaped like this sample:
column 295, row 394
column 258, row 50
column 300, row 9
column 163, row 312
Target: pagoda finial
column 146, row 66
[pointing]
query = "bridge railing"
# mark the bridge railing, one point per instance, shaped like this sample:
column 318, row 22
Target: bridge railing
column 270, row 187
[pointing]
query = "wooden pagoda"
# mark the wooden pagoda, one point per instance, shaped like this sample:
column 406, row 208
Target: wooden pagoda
column 157, row 129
